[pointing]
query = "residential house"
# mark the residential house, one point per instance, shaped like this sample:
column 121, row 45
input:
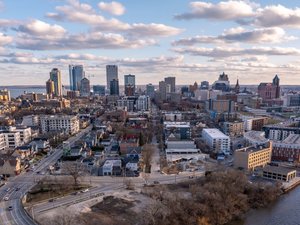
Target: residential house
column 10, row 165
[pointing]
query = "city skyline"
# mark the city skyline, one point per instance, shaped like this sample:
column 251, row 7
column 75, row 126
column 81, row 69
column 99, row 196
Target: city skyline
column 190, row 40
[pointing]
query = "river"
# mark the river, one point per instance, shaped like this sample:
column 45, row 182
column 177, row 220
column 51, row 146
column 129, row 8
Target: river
column 285, row 211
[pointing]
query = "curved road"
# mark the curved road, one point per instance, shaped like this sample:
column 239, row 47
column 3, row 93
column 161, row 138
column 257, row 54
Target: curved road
column 18, row 186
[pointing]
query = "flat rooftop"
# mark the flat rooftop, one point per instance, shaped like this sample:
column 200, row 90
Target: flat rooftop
column 256, row 136
column 168, row 123
column 251, row 149
column 214, row 132
column 172, row 150
column 292, row 139
column 277, row 169
column 285, row 124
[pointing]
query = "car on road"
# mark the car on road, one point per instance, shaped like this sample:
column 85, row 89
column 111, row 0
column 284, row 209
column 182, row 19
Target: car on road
column 10, row 208
column 155, row 182
column 8, row 189
column 17, row 189
column 85, row 190
column 6, row 198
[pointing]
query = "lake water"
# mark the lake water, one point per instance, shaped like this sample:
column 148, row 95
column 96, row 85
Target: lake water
column 285, row 211
column 17, row 91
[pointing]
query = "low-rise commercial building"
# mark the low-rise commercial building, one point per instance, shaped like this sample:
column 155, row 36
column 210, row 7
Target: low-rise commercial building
column 251, row 157
column 279, row 173
column 178, row 150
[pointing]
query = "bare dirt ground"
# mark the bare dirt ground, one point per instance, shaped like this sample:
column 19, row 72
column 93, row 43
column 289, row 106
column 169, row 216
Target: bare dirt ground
column 119, row 208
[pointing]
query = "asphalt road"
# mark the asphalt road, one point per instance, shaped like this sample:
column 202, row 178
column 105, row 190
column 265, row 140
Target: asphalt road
column 17, row 186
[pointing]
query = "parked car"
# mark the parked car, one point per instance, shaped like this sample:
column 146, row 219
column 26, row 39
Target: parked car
column 6, row 198
column 85, row 190
column 10, row 208
column 155, row 182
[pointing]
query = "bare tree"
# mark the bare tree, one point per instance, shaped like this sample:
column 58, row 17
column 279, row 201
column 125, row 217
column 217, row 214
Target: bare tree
column 64, row 219
column 129, row 184
column 154, row 214
column 147, row 154
column 146, row 177
column 74, row 170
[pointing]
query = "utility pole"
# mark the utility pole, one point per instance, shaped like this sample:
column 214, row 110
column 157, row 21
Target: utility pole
column 32, row 213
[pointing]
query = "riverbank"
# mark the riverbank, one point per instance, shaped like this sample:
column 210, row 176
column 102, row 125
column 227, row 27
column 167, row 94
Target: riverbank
column 285, row 210
column 288, row 186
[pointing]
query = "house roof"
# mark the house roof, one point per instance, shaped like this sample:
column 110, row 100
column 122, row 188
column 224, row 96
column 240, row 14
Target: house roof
column 11, row 159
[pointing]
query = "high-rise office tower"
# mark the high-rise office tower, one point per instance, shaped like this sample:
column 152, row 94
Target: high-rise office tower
column 150, row 91
column 85, row 88
column 114, row 87
column 50, row 88
column 76, row 73
column 129, row 84
column 55, row 76
column 171, row 81
column 111, row 74
column 162, row 86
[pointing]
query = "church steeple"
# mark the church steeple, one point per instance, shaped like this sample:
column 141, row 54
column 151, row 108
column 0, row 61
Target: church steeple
column 276, row 80
column 237, row 86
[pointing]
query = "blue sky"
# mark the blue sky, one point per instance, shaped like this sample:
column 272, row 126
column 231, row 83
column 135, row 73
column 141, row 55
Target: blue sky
column 192, row 40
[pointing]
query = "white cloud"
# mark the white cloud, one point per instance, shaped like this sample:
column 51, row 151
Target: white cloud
column 4, row 39
column 244, row 13
column 278, row 15
column 40, row 28
column 114, row 8
column 239, row 34
column 229, row 10
column 76, row 13
column 8, row 23
column 93, row 40
column 223, row 52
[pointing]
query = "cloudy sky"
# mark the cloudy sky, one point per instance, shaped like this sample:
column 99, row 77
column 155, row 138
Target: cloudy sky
column 192, row 40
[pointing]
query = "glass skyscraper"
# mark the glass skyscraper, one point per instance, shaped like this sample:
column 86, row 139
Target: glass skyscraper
column 76, row 73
